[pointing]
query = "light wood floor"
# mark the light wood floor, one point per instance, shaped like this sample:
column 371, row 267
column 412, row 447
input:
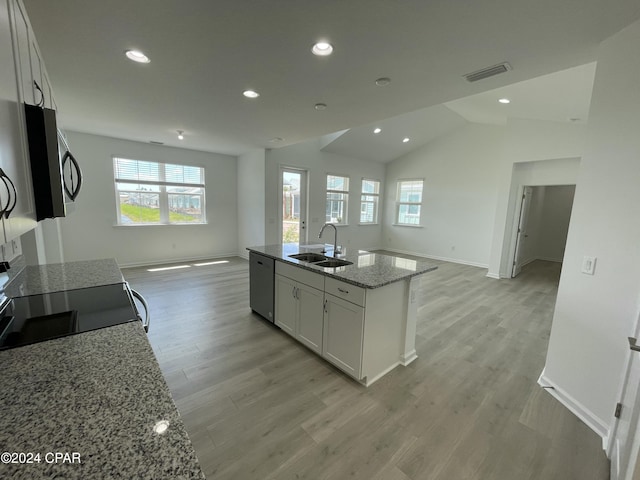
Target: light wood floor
column 258, row 405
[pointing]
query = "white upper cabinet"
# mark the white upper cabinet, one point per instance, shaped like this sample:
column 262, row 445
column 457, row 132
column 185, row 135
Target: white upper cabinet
column 21, row 64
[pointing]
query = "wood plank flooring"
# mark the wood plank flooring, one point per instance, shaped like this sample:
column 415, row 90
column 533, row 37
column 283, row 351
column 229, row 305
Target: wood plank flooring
column 258, row 405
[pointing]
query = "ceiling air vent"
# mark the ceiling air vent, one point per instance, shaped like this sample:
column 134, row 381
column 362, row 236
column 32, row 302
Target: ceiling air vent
column 156, row 143
column 487, row 72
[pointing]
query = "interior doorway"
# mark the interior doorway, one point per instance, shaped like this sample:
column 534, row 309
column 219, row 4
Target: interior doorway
column 542, row 224
column 293, row 211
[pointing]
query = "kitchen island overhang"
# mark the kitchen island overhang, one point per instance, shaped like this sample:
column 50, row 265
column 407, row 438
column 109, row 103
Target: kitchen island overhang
column 366, row 325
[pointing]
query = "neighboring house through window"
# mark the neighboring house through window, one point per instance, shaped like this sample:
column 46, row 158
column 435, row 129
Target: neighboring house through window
column 409, row 202
column 337, row 199
column 369, row 200
column 153, row 193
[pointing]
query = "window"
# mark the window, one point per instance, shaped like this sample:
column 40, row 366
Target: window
column 152, row 193
column 369, row 201
column 409, row 202
column 337, row 198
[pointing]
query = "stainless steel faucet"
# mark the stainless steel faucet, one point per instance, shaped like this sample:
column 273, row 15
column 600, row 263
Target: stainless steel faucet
column 335, row 239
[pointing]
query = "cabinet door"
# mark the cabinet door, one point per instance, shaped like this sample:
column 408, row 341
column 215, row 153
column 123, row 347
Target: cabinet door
column 286, row 307
column 22, row 47
column 343, row 331
column 14, row 160
column 310, row 317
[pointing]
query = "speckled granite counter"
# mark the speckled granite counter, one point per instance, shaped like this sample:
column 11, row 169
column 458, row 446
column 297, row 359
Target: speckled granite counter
column 56, row 277
column 97, row 395
column 369, row 270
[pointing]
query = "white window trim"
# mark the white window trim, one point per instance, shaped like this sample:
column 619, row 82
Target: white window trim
column 377, row 203
column 399, row 203
column 345, row 221
column 163, row 195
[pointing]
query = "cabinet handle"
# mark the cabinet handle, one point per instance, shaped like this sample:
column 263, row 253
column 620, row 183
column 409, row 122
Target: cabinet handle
column 297, row 294
column 342, row 290
column 6, row 211
column 325, row 306
column 75, row 190
column 293, row 292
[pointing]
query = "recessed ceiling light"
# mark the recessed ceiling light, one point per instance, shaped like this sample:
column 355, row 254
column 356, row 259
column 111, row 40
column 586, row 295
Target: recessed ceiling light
column 276, row 140
column 320, row 106
column 504, row 100
column 377, row 130
column 137, row 56
column 383, row 82
column 251, row 94
column 405, row 139
column 322, row 49
column 180, row 134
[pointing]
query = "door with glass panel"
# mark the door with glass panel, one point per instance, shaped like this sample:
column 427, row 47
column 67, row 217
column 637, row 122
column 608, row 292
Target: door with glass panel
column 293, row 189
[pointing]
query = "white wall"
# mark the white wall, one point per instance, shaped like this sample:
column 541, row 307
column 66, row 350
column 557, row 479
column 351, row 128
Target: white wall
column 460, row 194
column 595, row 314
column 554, row 227
column 308, row 156
column 91, row 231
column 550, row 171
column 548, row 223
column 251, row 203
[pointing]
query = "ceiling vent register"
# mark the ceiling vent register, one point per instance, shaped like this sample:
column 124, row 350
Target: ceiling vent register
column 487, row 72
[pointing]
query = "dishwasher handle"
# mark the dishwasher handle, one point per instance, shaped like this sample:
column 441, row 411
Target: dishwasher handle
column 147, row 318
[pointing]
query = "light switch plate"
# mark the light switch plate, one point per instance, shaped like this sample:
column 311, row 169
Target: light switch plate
column 589, row 265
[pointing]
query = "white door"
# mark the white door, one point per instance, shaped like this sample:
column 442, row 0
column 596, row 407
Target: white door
column 286, row 305
column 625, row 438
column 310, row 317
column 522, row 230
column 343, row 332
column 293, row 211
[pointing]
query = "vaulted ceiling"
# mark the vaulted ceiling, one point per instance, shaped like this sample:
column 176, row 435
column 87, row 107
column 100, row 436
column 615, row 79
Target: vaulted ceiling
column 205, row 53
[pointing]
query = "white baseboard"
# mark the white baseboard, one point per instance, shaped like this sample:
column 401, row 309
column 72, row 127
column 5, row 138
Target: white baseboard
column 549, row 259
column 369, row 381
column 494, row 275
column 435, row 257
column 407, row 358
column 588, row 418
column 165, row 261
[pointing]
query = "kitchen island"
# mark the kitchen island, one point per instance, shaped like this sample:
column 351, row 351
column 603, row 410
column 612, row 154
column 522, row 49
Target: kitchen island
column 360, row 316
column 90, row 405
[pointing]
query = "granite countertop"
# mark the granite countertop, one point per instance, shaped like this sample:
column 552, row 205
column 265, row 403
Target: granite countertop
column 55, row 277
column 368, row 270
column 96, row 397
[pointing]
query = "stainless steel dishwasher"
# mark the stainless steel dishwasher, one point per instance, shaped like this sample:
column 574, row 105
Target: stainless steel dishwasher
column 261, row 284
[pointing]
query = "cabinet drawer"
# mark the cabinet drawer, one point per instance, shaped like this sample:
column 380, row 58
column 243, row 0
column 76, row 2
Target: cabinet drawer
column 345, row 290
column 301, row 275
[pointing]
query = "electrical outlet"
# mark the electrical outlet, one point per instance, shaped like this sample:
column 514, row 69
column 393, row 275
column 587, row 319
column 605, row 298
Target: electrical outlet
column 589, row 265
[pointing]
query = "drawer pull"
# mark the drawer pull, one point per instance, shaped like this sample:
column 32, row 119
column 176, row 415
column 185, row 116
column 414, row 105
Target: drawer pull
column 342, row 290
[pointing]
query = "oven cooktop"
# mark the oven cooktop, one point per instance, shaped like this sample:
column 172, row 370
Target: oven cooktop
column 36, row 318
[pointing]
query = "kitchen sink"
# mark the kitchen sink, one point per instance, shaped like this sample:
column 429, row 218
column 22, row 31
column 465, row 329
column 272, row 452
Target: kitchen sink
column 308, row 257
column 333, row 263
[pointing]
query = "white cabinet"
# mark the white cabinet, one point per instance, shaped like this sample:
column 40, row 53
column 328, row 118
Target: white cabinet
column 310, row 318
column 343, row 333
column 361, row 331
column 16, row 191
column 286, row 304
column 298, row 305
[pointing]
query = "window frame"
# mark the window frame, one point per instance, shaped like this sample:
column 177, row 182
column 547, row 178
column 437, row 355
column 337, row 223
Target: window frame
column 163, row 192
column 344, row 201
column 400, row 203
column 375, row 201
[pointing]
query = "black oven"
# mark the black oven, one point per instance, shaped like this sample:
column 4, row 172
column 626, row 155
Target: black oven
column 36, row 318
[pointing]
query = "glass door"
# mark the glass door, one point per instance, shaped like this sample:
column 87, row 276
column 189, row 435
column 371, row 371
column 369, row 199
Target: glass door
column 293, row 189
